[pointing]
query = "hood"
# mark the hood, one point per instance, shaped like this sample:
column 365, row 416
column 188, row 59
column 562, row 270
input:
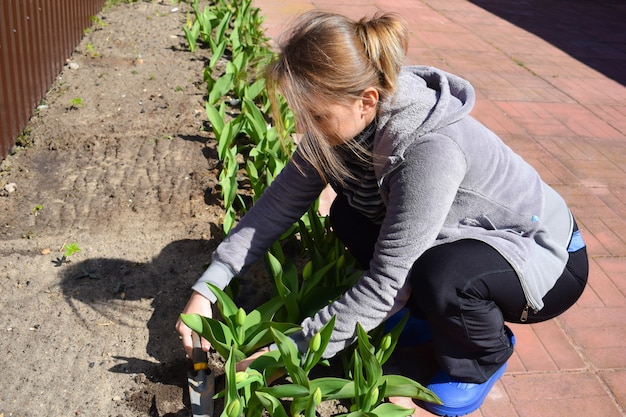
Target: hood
column 426, row 99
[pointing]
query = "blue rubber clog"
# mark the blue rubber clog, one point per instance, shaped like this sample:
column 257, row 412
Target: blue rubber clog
column 416, row 330
column 461, row 398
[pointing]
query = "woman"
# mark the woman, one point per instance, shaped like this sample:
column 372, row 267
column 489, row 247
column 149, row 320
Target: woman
column 427, row 197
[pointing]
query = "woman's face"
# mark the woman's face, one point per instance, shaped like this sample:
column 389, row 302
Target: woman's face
column 341, row 122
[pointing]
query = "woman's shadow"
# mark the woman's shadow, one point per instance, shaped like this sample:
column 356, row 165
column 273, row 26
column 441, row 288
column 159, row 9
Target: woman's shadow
column 104, row 284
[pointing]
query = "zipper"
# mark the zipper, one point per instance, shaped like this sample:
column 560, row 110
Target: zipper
column 524, row 317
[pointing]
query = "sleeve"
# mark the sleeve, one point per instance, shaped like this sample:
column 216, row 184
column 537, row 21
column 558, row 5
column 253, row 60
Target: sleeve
column 281, row 205
column 421, row 192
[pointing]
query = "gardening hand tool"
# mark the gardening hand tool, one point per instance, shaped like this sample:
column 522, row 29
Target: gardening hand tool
column 201, row 381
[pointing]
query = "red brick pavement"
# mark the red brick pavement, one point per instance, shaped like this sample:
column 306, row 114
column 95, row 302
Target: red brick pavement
column 550, row 81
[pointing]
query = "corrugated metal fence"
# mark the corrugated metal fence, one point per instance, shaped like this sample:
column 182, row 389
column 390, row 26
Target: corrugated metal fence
column 36, row 37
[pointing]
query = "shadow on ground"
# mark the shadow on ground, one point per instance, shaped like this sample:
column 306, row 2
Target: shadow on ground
column 101, row 283
column 163, row 284
column 593, row 32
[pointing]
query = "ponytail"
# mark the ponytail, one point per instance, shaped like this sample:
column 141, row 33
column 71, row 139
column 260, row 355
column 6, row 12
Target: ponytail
column 385, row 38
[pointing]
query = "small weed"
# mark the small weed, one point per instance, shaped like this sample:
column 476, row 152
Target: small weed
column 42, row 105
column 178, row 88
column 97, row 21
column 70, row 249
column 76, row 103
column 37, row 209
column 24, row 140
column 523, row 65
column 91, row 51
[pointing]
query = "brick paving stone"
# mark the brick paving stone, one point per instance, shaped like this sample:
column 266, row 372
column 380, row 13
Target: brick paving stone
column 553, row 172
column 531, row 351
column 498, row 403
column 602, row 347
column 608, row 238
column 541, row 386
column 589, row 299
column 613, row 198
column 558, row 345
column 615, row 115
column 616, row 381
column 526, row 146
column 490, row 114
column 591, row 91
column 595, row 173
column 536, row 118
column 594, row 316
column 582, row 122
column 570, row 407
column 615, row 269
column 603, row 285
column 606, row 357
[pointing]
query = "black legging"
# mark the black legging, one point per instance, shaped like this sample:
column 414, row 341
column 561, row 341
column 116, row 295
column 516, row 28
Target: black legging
column 466, row 290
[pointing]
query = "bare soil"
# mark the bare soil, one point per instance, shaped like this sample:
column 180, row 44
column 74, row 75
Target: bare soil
column 130, row 175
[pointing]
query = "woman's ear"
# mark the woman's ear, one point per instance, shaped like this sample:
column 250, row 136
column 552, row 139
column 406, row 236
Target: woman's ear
column 369, row 100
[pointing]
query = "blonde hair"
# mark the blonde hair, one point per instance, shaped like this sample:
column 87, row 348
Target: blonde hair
column 329, row 58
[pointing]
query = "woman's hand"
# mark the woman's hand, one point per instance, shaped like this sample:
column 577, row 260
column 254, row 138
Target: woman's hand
column 408, row 403
column 243, row 365
column 197, row 304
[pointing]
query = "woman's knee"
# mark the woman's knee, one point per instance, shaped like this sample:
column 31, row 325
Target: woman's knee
column 433, row 283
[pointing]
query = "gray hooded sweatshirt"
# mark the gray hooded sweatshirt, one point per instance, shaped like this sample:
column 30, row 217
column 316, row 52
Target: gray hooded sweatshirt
column 443, row 177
